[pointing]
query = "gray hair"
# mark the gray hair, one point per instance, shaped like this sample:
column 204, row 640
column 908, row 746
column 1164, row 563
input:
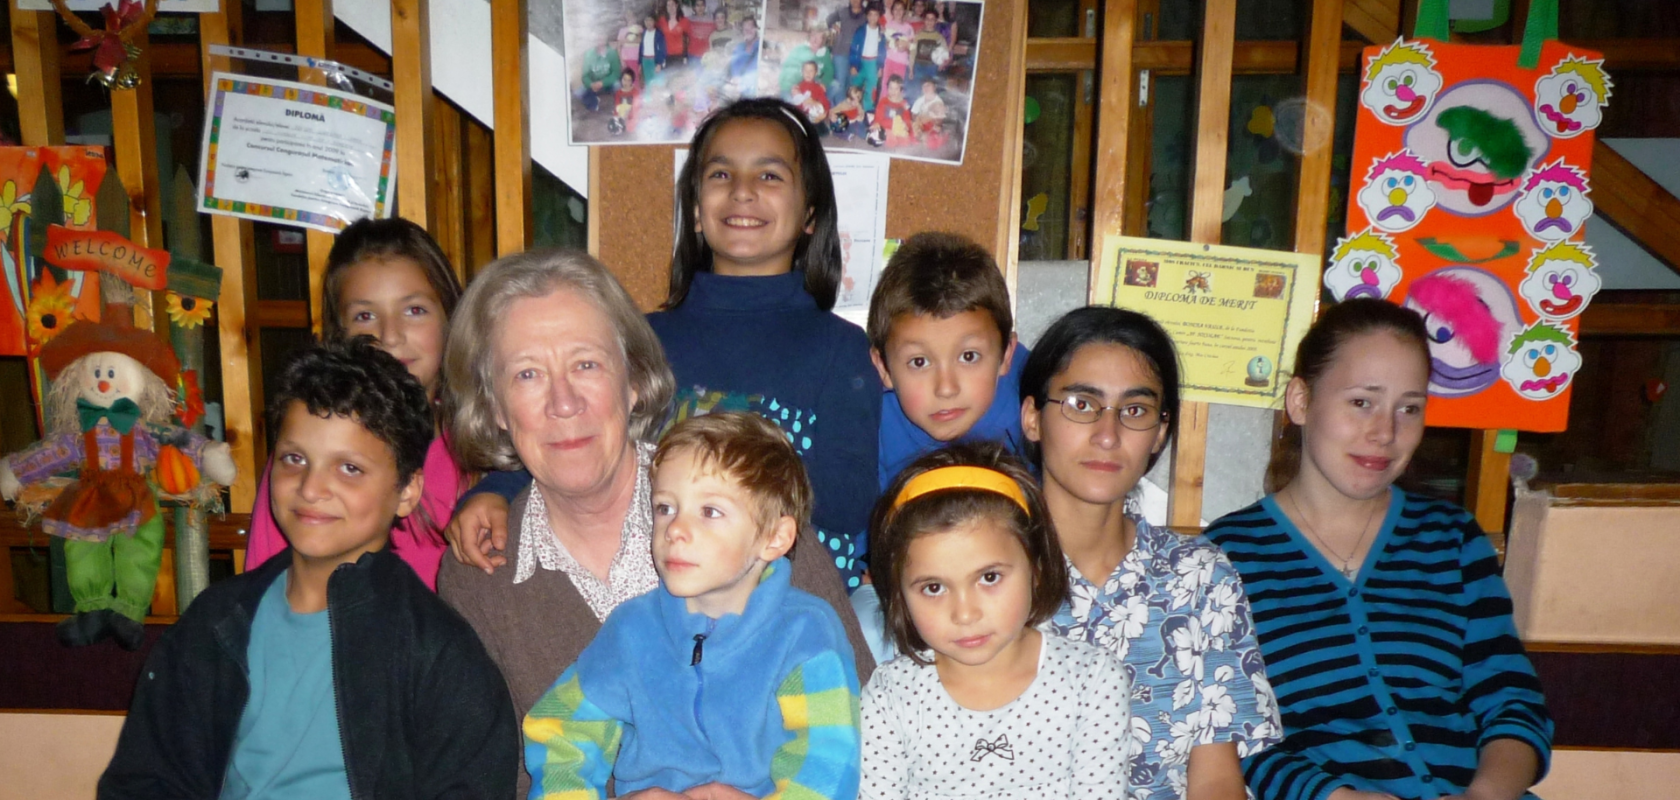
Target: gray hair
column 469, row 360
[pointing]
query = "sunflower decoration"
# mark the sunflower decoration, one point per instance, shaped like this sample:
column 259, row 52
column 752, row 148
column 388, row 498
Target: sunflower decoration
column 187, row 311
column 50, row 309
column 78, row 207
column 10, row 207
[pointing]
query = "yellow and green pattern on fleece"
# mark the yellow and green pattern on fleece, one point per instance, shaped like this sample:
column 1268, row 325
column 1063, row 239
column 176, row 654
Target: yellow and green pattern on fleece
column 819, row 705
column 570, row 744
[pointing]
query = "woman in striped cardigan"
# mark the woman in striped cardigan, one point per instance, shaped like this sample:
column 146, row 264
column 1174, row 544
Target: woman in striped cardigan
column 1384, row 621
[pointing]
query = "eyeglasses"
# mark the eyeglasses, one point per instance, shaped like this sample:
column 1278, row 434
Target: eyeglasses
column 1133, row 416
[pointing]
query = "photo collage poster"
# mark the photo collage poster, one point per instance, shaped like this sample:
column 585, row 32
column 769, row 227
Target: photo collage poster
column 879, row 76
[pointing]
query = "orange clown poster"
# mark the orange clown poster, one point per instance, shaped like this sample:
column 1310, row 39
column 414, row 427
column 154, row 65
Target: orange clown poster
column 36, row 301
column 1471, row 188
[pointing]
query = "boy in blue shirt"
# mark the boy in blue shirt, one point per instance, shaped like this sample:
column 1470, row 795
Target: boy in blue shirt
column 331, row 671
column 942, row 336
column 726, row 674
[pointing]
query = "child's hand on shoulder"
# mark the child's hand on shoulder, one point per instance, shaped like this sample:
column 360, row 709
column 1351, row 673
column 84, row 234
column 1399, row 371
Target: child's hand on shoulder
column 478, row 530
column 717, row 791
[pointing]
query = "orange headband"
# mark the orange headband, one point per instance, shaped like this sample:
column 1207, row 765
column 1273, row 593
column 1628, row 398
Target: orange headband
column 986, row 480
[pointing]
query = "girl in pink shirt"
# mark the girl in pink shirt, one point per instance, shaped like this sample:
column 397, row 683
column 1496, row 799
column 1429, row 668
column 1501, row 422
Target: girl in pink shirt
column 389, row 279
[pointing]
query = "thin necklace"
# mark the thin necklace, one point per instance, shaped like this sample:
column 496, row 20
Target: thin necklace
column 1348, row 570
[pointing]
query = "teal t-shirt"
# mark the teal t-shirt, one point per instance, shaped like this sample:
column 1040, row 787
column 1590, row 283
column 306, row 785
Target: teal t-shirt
column 287, row 744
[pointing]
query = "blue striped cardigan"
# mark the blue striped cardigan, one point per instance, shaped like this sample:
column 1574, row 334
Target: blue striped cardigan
column 1390, row 683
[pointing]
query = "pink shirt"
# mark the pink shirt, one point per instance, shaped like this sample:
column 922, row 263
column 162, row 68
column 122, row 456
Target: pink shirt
column 419, row 544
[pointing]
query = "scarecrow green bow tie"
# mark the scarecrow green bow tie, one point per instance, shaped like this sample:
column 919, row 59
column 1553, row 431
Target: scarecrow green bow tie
column 122, row 414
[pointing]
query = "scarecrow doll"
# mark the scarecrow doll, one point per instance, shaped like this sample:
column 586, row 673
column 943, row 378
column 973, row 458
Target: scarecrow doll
column 109, row 415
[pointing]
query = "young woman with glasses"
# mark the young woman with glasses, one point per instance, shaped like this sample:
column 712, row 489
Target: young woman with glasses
column 1171, row 607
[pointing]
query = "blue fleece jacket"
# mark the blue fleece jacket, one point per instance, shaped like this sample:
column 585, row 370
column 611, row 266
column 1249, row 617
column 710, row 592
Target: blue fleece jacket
column 902, row 442
column 761, row 344
column 761, row 701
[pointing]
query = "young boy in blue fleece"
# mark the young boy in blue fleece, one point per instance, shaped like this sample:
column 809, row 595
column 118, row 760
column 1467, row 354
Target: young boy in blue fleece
column 725, row 676
column 943, row 339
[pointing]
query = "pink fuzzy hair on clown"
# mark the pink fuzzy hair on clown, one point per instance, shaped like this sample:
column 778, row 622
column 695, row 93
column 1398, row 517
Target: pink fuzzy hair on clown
column 1404, row 161
column 1557, row 172
column 1456, row 302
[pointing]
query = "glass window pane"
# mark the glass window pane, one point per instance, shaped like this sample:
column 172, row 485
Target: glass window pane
column 1262, row 161
column 1053, row 18
column 1047, row 165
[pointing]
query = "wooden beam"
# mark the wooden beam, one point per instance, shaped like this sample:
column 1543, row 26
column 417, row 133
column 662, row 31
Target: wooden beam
column 1178, row 57
column 1283, row 57
column 315, row 37
column 411, row 68
column 178, row 61
column 448, row 188
column 592, row 224
column 134, row 140
column 481, row 197
column 1213, row 119
column 1630, row 319
column 40, row 89
column 1008, row 244
column 237, row 332
column 173, row 61
column 1312, row 194
column 1376, row 20
column 1637, row 205
column 282, row 314
column 1115, row 93
column 510, row 68
column 1140, row 136
column 1487, row 486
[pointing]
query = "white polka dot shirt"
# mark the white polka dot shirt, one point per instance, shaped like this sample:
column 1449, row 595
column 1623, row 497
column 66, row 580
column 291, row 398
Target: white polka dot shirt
column 1063, row 737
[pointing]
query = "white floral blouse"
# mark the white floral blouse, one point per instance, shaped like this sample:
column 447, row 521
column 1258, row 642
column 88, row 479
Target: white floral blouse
column 1175, row 614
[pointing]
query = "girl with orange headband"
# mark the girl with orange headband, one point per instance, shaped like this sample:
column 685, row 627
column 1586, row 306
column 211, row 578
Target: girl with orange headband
column 967, row 566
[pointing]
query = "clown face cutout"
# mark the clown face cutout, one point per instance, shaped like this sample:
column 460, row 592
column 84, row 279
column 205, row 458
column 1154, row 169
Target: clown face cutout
column 1401, row 83
column 1396, row 194
column 1470, row 316
column 1364, row 265
column 1541, row 363
column 1561, row 281
column 1571, row 99
column 108, row 377
column 1554, row 202
column 1478, row 141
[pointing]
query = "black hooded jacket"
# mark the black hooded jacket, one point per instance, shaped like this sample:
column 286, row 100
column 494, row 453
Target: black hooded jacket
column 423, row 711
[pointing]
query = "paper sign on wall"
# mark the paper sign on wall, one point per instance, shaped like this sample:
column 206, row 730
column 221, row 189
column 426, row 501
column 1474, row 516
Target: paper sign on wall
column 1235, row 314
column 279, row 151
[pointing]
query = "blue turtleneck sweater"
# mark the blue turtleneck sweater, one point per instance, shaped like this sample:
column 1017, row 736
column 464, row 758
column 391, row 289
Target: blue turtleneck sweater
column 761, row 344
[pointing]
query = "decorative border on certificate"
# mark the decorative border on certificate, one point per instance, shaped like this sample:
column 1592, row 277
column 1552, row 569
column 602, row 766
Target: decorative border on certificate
column 291, row 200
column 1235, row 314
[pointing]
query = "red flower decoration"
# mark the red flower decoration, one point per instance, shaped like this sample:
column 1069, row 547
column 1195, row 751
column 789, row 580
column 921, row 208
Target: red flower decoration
column 111, row 50
column 192, row 398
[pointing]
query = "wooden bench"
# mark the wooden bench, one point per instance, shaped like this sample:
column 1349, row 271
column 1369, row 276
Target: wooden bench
column 227, row 535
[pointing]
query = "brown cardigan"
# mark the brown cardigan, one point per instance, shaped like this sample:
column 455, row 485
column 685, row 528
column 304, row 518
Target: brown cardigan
column 533, row 647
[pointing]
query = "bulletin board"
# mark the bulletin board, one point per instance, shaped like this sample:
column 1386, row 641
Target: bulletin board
column 630, row 210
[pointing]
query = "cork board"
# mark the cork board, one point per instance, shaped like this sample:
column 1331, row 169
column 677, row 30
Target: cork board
column 630, row 205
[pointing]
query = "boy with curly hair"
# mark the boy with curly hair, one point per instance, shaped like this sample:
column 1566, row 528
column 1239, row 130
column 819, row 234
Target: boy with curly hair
column 331, row 671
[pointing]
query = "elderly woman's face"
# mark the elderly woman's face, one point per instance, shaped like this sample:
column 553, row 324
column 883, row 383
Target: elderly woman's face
column 563, row 392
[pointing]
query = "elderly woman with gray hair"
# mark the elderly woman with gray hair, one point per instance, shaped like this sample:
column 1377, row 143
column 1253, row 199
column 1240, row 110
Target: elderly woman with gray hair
column 554, row 370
